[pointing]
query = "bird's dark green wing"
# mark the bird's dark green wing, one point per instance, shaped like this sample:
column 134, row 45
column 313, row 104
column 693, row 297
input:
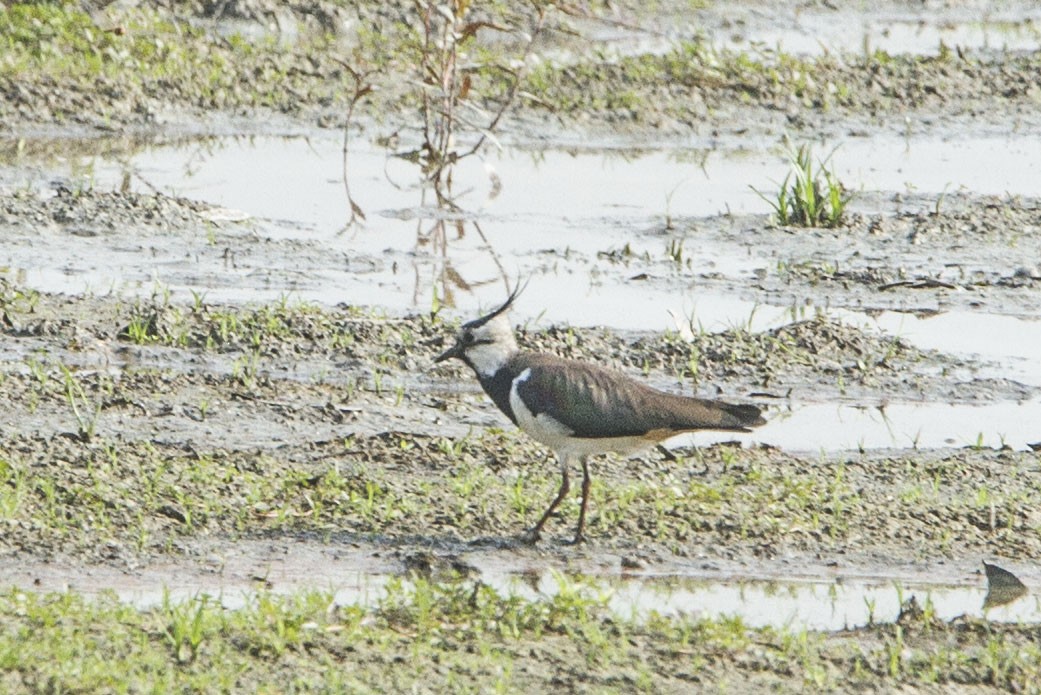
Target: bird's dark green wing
column 594, row 402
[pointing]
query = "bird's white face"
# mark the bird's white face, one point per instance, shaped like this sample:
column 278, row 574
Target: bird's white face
column 484, row 346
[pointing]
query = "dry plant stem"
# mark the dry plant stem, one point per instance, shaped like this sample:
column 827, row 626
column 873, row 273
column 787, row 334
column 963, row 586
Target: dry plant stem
column 440, row 53
column 445, row 90
column 512, row 94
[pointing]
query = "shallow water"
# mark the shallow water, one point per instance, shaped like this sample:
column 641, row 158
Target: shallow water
column 300, row 179
column 799, row 605
column 539, row 223
column 832, row 427
column 896, row 28
column 536, row 222
column 835, row 602
column 793, row 605
column 900, row 32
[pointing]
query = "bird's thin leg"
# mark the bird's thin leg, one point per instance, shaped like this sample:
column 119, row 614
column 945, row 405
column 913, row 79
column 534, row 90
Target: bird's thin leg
column 580, row 535
column 565, row 485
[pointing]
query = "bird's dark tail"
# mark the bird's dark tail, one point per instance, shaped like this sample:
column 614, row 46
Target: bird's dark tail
column 683, row 414
column 740, row 417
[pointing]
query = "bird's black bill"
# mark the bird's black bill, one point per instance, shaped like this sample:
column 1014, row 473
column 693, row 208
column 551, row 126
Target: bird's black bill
column 454, row 351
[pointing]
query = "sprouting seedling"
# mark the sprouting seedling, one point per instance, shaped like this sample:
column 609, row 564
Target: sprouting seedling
column 870, row 604
column 939, row 199
column 85, row 412
column 669, row 226
column 675, row 251
column 197, row 300
column 808, row 197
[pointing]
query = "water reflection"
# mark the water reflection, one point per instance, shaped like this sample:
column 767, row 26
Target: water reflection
column 825, row 605
column 801, row 426
column 1003, row 587
column 548, row 208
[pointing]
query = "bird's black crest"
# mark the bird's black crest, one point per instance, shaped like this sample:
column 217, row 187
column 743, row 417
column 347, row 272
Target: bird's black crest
column 477, row 323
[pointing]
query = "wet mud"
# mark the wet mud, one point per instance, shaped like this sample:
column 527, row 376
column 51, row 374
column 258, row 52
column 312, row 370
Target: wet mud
column 216, row 384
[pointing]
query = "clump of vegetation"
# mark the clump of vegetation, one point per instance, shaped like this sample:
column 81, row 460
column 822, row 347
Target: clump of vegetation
column 452, row 636
column 15, row 301
column 128, row 55
column 808, row 197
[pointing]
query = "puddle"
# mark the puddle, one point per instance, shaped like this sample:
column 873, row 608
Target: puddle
column 987, row 164
column 1014, row 342
column 291, row 190
column 810, row 30
column 826, row 606
column 830, row 427
column 541, row 224
column 360, row 577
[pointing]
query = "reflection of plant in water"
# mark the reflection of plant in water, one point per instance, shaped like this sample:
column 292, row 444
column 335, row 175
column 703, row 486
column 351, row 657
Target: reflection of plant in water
column 436, row 235
column 362, row 88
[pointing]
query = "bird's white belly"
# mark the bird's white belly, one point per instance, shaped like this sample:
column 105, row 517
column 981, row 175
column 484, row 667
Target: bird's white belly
column 557, row 436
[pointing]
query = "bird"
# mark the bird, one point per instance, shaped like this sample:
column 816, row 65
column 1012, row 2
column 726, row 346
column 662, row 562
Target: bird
column 580, row 409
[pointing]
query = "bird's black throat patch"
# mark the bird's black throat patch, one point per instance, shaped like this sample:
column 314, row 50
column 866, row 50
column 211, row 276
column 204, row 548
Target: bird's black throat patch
column 498, row 386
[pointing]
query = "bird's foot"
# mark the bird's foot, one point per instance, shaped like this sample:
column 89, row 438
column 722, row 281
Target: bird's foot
column 666, row 454
column 532, row 537
column 579, row 539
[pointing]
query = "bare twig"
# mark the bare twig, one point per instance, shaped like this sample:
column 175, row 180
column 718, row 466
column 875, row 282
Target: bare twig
column 518, row 77
column 446, row 86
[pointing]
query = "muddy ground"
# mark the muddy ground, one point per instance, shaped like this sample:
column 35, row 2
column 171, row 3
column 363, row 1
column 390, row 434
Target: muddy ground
column 145, row 436
column 303, row 413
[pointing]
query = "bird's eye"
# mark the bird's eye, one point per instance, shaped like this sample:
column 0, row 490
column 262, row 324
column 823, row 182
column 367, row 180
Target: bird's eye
column 467, row 338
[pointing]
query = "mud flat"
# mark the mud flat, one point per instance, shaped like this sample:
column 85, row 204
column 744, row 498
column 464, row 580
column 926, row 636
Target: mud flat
column 228, row 463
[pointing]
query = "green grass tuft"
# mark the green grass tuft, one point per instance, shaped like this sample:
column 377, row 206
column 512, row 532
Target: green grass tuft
column 808, row 197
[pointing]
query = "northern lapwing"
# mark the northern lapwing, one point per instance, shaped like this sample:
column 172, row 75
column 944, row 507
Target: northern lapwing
column 580, row 409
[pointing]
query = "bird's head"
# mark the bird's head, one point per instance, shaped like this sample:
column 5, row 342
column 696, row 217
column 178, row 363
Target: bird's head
column 485, row 343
